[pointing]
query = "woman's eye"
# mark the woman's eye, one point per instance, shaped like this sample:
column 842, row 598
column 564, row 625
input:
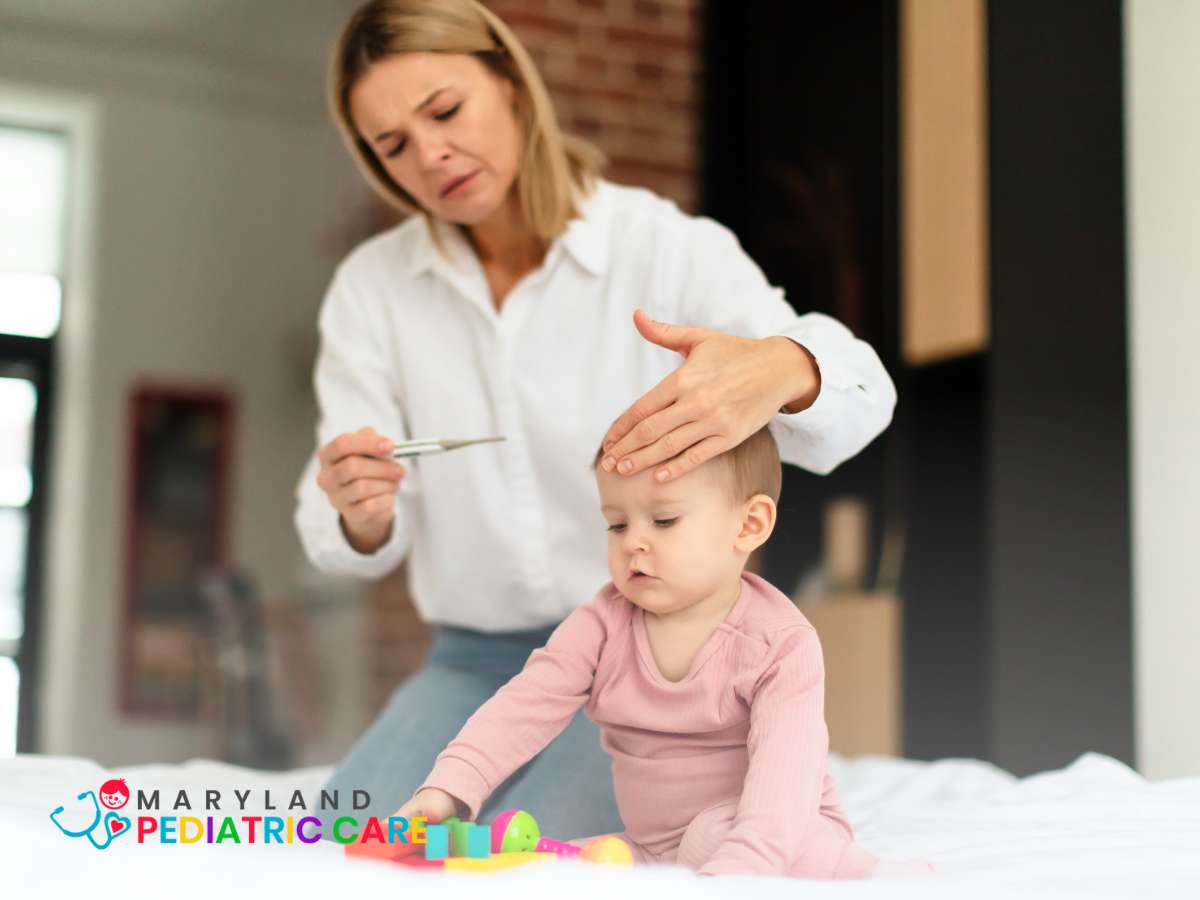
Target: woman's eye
column 617, row 528
column 448, row 114
column 666, row 523
column 395, row 151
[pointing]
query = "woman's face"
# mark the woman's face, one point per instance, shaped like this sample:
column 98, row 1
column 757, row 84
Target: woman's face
column 444, row 128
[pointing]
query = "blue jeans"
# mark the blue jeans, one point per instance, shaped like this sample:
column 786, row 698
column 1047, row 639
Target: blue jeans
column 567, row 787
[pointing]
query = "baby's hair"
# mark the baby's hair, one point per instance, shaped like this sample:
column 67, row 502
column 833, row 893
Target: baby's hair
column 753, row 466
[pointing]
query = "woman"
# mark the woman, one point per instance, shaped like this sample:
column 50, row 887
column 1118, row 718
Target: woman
column 512, row 305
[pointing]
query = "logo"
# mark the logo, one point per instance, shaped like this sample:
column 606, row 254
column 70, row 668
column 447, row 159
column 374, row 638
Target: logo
column 113, row 795
column 107, row 824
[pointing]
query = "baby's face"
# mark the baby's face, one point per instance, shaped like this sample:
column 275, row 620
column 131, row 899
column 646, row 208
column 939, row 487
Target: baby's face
column 672, row 545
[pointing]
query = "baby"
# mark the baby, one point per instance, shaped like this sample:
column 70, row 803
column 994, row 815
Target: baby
column 707, row 684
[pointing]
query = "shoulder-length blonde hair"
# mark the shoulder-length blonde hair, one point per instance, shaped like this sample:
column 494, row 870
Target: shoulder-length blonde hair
column 555, row 171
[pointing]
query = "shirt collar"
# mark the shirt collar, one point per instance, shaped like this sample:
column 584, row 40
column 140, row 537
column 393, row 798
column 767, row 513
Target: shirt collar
column 585, row 238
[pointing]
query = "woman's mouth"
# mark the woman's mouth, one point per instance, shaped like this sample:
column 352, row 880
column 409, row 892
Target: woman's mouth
column 457, row 185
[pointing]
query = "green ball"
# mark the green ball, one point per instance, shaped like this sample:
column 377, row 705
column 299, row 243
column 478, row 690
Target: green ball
column 521, row 835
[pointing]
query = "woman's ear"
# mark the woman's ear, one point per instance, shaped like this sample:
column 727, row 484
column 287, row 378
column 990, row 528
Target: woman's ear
column 758, row 521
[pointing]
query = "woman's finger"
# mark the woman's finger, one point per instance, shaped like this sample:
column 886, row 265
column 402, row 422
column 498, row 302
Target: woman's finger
column 364, row 442
column 644, row 434
column 670, row 445
column 372, row 510
column 657, row 398
column 352, row 468
column 696, row 455
column 362, row 489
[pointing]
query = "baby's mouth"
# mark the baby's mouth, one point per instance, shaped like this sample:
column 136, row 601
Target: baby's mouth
column 637, row 576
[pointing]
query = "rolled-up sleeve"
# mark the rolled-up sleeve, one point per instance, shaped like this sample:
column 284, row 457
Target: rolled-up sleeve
column 724, row 289
column 354, row 379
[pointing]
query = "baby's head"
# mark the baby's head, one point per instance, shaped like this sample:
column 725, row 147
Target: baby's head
column 672, row 545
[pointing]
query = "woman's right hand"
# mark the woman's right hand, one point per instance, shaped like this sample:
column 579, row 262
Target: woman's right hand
column 361, row 483
column 432, row 803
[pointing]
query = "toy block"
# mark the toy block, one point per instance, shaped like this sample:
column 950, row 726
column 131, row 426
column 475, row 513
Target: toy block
column 458, row 835
column 478, row 842
column 437, row 842
column 379, row 850
column 420, row 862
column 497, row 861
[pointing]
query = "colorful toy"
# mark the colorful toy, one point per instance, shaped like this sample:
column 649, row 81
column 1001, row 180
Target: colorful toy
column 479, row 842
column 437, row 841
column 515, row 831
column 380, row 850
column 561, row 849
column 609, row 850
column 458, row 835
column 513, row 839
column 497, row 861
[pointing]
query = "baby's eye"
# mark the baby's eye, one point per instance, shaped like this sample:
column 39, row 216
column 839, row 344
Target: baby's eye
column 448, row 114
column 398, row 149
column 617, row 528
column 666, row 523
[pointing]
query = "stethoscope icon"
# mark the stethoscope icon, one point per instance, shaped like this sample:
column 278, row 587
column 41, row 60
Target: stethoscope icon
column 87, row 832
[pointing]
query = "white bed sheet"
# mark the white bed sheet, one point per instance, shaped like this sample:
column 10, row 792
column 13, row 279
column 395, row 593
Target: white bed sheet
column 1092, row 829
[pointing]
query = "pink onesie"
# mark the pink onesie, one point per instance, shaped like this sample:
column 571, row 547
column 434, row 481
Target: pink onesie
column 724, row 771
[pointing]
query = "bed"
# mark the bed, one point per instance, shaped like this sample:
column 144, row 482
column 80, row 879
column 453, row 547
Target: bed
column 1092, row 829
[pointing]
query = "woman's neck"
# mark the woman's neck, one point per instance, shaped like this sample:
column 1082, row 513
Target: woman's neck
column 504, row 240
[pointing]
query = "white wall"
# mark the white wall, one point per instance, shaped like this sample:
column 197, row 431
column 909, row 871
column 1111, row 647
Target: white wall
column 1163, row 146
column 213, row 205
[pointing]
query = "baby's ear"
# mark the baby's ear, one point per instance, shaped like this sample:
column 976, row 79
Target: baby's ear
column 758, row 521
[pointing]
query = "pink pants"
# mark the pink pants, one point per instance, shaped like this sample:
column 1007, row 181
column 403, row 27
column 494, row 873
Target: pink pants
column 706, row 832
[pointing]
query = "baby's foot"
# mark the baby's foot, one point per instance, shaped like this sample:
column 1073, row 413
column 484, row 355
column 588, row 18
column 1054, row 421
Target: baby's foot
column 909, row 868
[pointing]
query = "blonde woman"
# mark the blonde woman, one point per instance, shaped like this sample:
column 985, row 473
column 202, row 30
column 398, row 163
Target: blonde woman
column 527, row 297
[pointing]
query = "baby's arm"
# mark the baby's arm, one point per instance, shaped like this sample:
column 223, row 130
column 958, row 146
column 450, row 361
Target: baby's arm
column 525, row 714
column 778, row 818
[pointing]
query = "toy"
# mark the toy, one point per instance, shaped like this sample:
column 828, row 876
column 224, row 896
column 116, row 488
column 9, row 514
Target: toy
column 479, row 842
column 513, row 839
column 515, row 831
column 458, row 835
column 437, row 841
column 609, row 850
column 379, row 850
column 420, row 862
column 559, row 848
column 497, row 861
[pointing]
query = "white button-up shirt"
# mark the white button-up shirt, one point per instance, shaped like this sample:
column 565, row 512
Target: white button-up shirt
column 509, row 536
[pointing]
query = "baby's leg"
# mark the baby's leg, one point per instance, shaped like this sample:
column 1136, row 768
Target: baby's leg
column 705, row 833
column 828, row 852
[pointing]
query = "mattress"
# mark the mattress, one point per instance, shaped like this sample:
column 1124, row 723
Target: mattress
column 1094, row 828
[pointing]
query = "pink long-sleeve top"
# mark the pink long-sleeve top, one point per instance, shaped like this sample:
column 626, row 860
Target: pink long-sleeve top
column 745, row 725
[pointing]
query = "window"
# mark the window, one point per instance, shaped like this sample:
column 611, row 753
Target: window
column 33, row 185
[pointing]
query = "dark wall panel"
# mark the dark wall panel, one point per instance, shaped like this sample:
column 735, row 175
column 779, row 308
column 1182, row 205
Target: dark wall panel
column 1059, row 464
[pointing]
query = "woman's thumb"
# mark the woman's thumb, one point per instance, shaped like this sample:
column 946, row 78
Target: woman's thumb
column 680, row 338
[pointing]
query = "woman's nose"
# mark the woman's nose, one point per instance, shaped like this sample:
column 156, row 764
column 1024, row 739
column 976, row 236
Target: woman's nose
column 432, row 151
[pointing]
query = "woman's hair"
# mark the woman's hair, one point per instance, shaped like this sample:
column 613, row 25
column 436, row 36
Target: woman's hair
column 555, row 171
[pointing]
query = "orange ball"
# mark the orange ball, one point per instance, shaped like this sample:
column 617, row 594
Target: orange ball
column 608, row 850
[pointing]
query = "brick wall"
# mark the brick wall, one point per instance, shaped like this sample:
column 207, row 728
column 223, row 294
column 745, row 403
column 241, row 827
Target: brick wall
column 624, row 74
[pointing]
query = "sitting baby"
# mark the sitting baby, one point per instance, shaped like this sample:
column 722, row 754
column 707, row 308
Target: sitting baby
column 706, row 682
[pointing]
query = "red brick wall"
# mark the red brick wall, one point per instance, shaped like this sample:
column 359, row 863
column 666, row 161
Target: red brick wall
column 626, row 75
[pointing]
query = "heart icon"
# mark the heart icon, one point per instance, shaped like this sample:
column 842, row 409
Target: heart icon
column 115, row 824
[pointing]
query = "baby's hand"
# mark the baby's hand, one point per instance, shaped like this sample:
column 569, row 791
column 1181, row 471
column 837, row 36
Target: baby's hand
column 432, row 803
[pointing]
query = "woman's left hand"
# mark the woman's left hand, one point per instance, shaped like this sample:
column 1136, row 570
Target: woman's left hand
column 727, row 388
